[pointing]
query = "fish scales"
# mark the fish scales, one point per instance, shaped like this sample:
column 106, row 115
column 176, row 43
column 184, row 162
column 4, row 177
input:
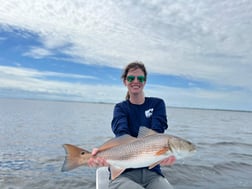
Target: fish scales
column 132, row 153
column 128, row 152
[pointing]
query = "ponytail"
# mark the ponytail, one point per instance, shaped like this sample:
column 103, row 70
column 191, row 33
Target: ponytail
column 127, row 97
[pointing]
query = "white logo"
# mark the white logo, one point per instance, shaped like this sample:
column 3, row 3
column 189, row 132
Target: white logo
column 148, row 113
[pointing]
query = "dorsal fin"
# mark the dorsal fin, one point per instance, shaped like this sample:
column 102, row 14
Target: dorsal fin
column 124, row 139
column 144, row 131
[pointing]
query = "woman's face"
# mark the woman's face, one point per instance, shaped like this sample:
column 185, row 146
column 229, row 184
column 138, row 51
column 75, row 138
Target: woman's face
column 135, row 81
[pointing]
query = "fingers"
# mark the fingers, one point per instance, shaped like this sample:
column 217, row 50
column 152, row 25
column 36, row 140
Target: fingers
column 92, row 162
column 96, row 161
column 94, row 151
column 168, row 161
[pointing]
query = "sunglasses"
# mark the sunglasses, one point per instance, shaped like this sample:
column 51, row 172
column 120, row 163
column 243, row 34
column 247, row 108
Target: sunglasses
column 140, row 78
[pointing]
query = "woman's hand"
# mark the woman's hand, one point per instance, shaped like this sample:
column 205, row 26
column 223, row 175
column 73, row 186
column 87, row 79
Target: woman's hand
column 97, row 161
column 168, row 161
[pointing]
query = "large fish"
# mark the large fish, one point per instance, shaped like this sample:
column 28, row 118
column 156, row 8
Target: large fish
column 147, row 150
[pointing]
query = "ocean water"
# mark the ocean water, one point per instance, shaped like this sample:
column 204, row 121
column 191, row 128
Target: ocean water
column 32, row 133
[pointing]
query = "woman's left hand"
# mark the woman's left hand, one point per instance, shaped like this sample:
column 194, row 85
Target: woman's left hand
column 97, row 161
column 168, row 161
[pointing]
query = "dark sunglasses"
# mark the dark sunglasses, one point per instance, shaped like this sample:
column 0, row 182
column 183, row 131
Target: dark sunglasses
column 140, row 78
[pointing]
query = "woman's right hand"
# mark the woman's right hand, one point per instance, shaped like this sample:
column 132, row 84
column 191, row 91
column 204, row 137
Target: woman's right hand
column 97, row 161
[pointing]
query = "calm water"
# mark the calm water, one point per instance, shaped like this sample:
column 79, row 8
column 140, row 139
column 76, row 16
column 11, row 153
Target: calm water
column 32, row 134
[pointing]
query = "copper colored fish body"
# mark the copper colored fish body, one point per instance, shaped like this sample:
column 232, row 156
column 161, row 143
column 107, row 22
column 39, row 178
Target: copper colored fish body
column 147, row 150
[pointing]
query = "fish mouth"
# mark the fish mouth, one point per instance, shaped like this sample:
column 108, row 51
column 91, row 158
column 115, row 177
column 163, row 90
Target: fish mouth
column 193, row 150
column 193, row 146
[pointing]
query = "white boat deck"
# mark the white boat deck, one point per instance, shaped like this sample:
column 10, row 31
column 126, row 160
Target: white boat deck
column 102, row 178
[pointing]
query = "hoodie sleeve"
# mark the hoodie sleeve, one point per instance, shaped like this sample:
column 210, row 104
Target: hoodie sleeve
column 159, row 117
column 119, row 122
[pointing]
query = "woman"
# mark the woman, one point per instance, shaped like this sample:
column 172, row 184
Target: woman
column 138, row 110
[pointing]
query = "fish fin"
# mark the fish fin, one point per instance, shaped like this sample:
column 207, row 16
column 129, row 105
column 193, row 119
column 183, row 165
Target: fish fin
column 158, row 153
column 116, row 171
column 75, row 157
column 162, row 151
column 116, row 142
column 154, row 164
column 144, row 131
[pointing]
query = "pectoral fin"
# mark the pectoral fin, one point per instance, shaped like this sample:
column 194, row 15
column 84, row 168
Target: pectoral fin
column 116, row 171
column 158, row 153
column 162, row 151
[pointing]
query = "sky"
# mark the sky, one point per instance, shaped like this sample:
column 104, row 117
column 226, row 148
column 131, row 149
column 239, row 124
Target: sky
column 198, row 54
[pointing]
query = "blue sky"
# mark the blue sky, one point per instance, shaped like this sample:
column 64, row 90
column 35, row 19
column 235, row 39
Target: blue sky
column 197, row 53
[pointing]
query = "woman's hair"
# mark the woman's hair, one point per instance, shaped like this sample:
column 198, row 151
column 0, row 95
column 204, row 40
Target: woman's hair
column 133, row 66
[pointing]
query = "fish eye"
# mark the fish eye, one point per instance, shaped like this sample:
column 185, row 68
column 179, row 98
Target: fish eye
column 82, row 153
column 189, row 142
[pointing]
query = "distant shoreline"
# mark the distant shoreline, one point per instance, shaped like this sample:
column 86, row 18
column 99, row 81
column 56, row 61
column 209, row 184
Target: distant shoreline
column 111, row 103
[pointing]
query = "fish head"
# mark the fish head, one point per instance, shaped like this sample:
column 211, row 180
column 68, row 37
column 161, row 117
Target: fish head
column 180, row 147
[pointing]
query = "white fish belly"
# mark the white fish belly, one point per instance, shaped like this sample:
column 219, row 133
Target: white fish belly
column 137, row 162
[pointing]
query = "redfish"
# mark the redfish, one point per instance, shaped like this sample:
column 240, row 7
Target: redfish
column 147, row 150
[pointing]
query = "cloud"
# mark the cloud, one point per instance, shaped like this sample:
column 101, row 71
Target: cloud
column 208, row 41
column 18, row 73
column 32, row 81
column 202, row 98
column 23, row 82
column 38, row 52
column 170, row 34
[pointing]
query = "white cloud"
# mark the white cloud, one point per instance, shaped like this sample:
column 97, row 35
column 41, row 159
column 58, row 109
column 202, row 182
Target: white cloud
column 14, row 72
column 38, row 52
column 202, row 98
column 32, row 81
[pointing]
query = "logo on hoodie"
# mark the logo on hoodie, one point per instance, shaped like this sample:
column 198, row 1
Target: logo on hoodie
column 148, row 113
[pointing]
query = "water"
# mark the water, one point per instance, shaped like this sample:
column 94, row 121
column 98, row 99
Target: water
column 32, row 134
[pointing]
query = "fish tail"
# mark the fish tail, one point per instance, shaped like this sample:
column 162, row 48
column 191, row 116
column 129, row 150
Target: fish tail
column 75, row 157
